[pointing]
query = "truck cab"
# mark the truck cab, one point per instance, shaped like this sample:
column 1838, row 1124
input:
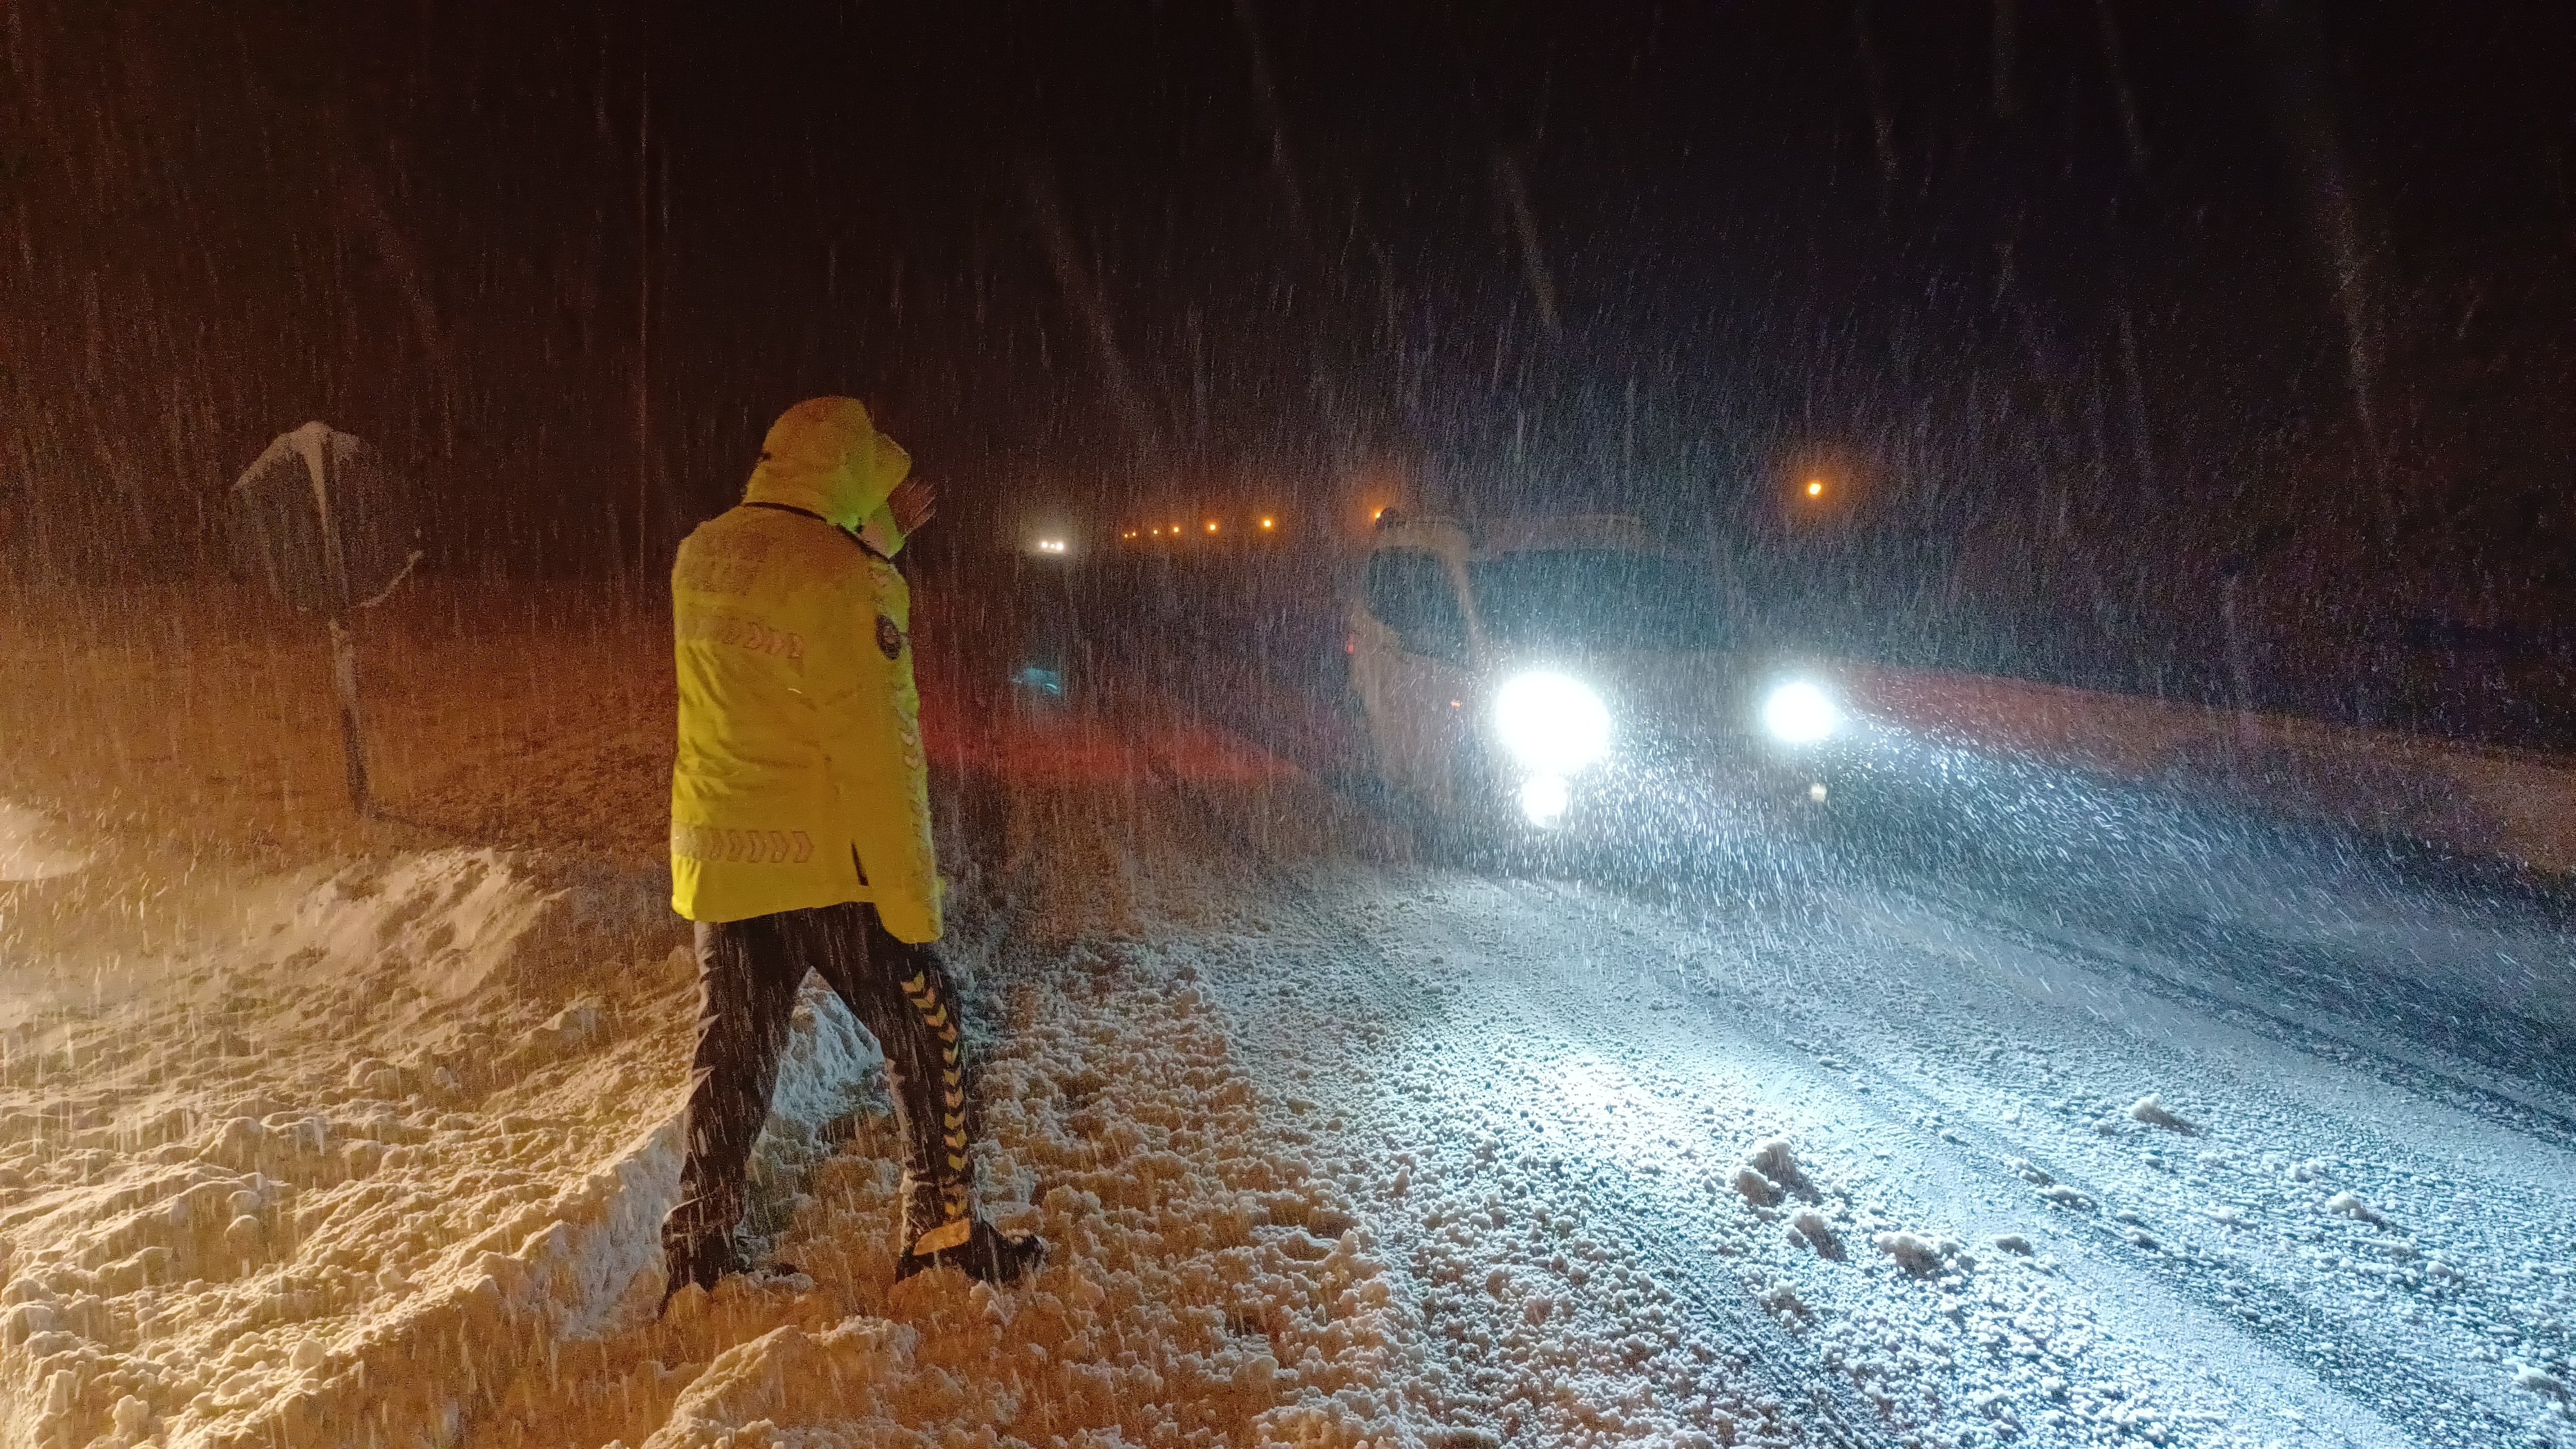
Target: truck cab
column 1524, row 675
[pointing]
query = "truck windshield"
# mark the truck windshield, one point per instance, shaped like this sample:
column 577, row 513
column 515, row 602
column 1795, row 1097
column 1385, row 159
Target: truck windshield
column 1596, row 599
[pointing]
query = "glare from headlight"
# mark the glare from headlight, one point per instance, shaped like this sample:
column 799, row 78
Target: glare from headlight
column 1543, row 800
column 1553, row 725
column 1798, row 713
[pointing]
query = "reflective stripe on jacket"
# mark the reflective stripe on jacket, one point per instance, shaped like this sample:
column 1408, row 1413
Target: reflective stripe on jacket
column 801, row 779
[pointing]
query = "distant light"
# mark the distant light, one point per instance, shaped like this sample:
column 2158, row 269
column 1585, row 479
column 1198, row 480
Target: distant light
column 1543, row 800
column 1050, row 545
column 1270, row 523
column 1815, row 487
column 1798, row 713
column 1211, row 525
column 1379, row 514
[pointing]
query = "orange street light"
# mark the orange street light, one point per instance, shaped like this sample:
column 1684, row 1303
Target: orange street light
column 1815, row 487
column 1270, row 523
column 1211, row 525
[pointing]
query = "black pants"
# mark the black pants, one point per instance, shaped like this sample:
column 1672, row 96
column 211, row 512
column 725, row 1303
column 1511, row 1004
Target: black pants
column 748, row 975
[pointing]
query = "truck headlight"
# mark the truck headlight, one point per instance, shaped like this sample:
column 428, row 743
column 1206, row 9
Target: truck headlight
column 1798, row 713
column 1551, row 724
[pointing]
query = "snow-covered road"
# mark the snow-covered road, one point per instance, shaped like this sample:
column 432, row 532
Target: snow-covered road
column 2004, row 1186
column 2113, row 1111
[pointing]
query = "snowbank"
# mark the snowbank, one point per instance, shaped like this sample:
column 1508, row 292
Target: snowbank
column 384, row 1135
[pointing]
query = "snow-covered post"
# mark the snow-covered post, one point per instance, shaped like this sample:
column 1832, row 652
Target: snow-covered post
column 353, row 727
column 312, row 443
column 331, row 537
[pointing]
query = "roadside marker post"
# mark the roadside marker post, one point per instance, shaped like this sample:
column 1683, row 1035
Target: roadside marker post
column 323, row 523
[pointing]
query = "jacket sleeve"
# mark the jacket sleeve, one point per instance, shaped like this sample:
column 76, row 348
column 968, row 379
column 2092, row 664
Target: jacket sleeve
column 880, row 533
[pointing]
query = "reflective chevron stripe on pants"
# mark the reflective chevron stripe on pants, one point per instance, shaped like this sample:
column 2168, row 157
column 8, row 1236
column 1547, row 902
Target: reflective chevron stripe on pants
column 748, row 975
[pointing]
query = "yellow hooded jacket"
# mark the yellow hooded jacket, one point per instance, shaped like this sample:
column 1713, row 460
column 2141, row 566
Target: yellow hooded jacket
column 801, row 780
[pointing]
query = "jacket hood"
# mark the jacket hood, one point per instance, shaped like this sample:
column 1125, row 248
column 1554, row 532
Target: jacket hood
column 825, row 456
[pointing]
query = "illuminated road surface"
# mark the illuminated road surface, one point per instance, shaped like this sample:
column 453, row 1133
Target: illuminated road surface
column 2072, row 1114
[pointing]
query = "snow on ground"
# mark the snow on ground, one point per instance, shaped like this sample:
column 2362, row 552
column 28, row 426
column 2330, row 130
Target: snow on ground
column 2168, row 1130
column 315, row 1132
column 307, row 1120
column 1205, row 1285
column 1593, row 1065
column 326, row 1146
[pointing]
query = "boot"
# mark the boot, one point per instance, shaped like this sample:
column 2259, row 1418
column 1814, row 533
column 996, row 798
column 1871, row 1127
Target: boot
column 976, row 1248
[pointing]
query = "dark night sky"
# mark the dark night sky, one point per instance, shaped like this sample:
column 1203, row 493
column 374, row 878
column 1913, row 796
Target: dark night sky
column 2086, row 292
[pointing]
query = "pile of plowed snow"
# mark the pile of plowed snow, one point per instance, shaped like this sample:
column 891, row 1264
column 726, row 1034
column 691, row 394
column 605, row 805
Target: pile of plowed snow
column 377, row 1153
column 320, row 1156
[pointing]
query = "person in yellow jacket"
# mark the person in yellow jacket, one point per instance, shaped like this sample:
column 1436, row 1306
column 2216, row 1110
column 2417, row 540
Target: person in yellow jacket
column 800, row 830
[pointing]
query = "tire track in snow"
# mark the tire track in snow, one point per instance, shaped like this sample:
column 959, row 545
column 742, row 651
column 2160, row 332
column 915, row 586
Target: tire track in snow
column 2385, row 1374
column 1831, row 1413
column 1749, row 1089
column 2387, row 1371
column 1791, row 1369
column 2327, row 1385
column 1553, row 1178
column 2532, row 1104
